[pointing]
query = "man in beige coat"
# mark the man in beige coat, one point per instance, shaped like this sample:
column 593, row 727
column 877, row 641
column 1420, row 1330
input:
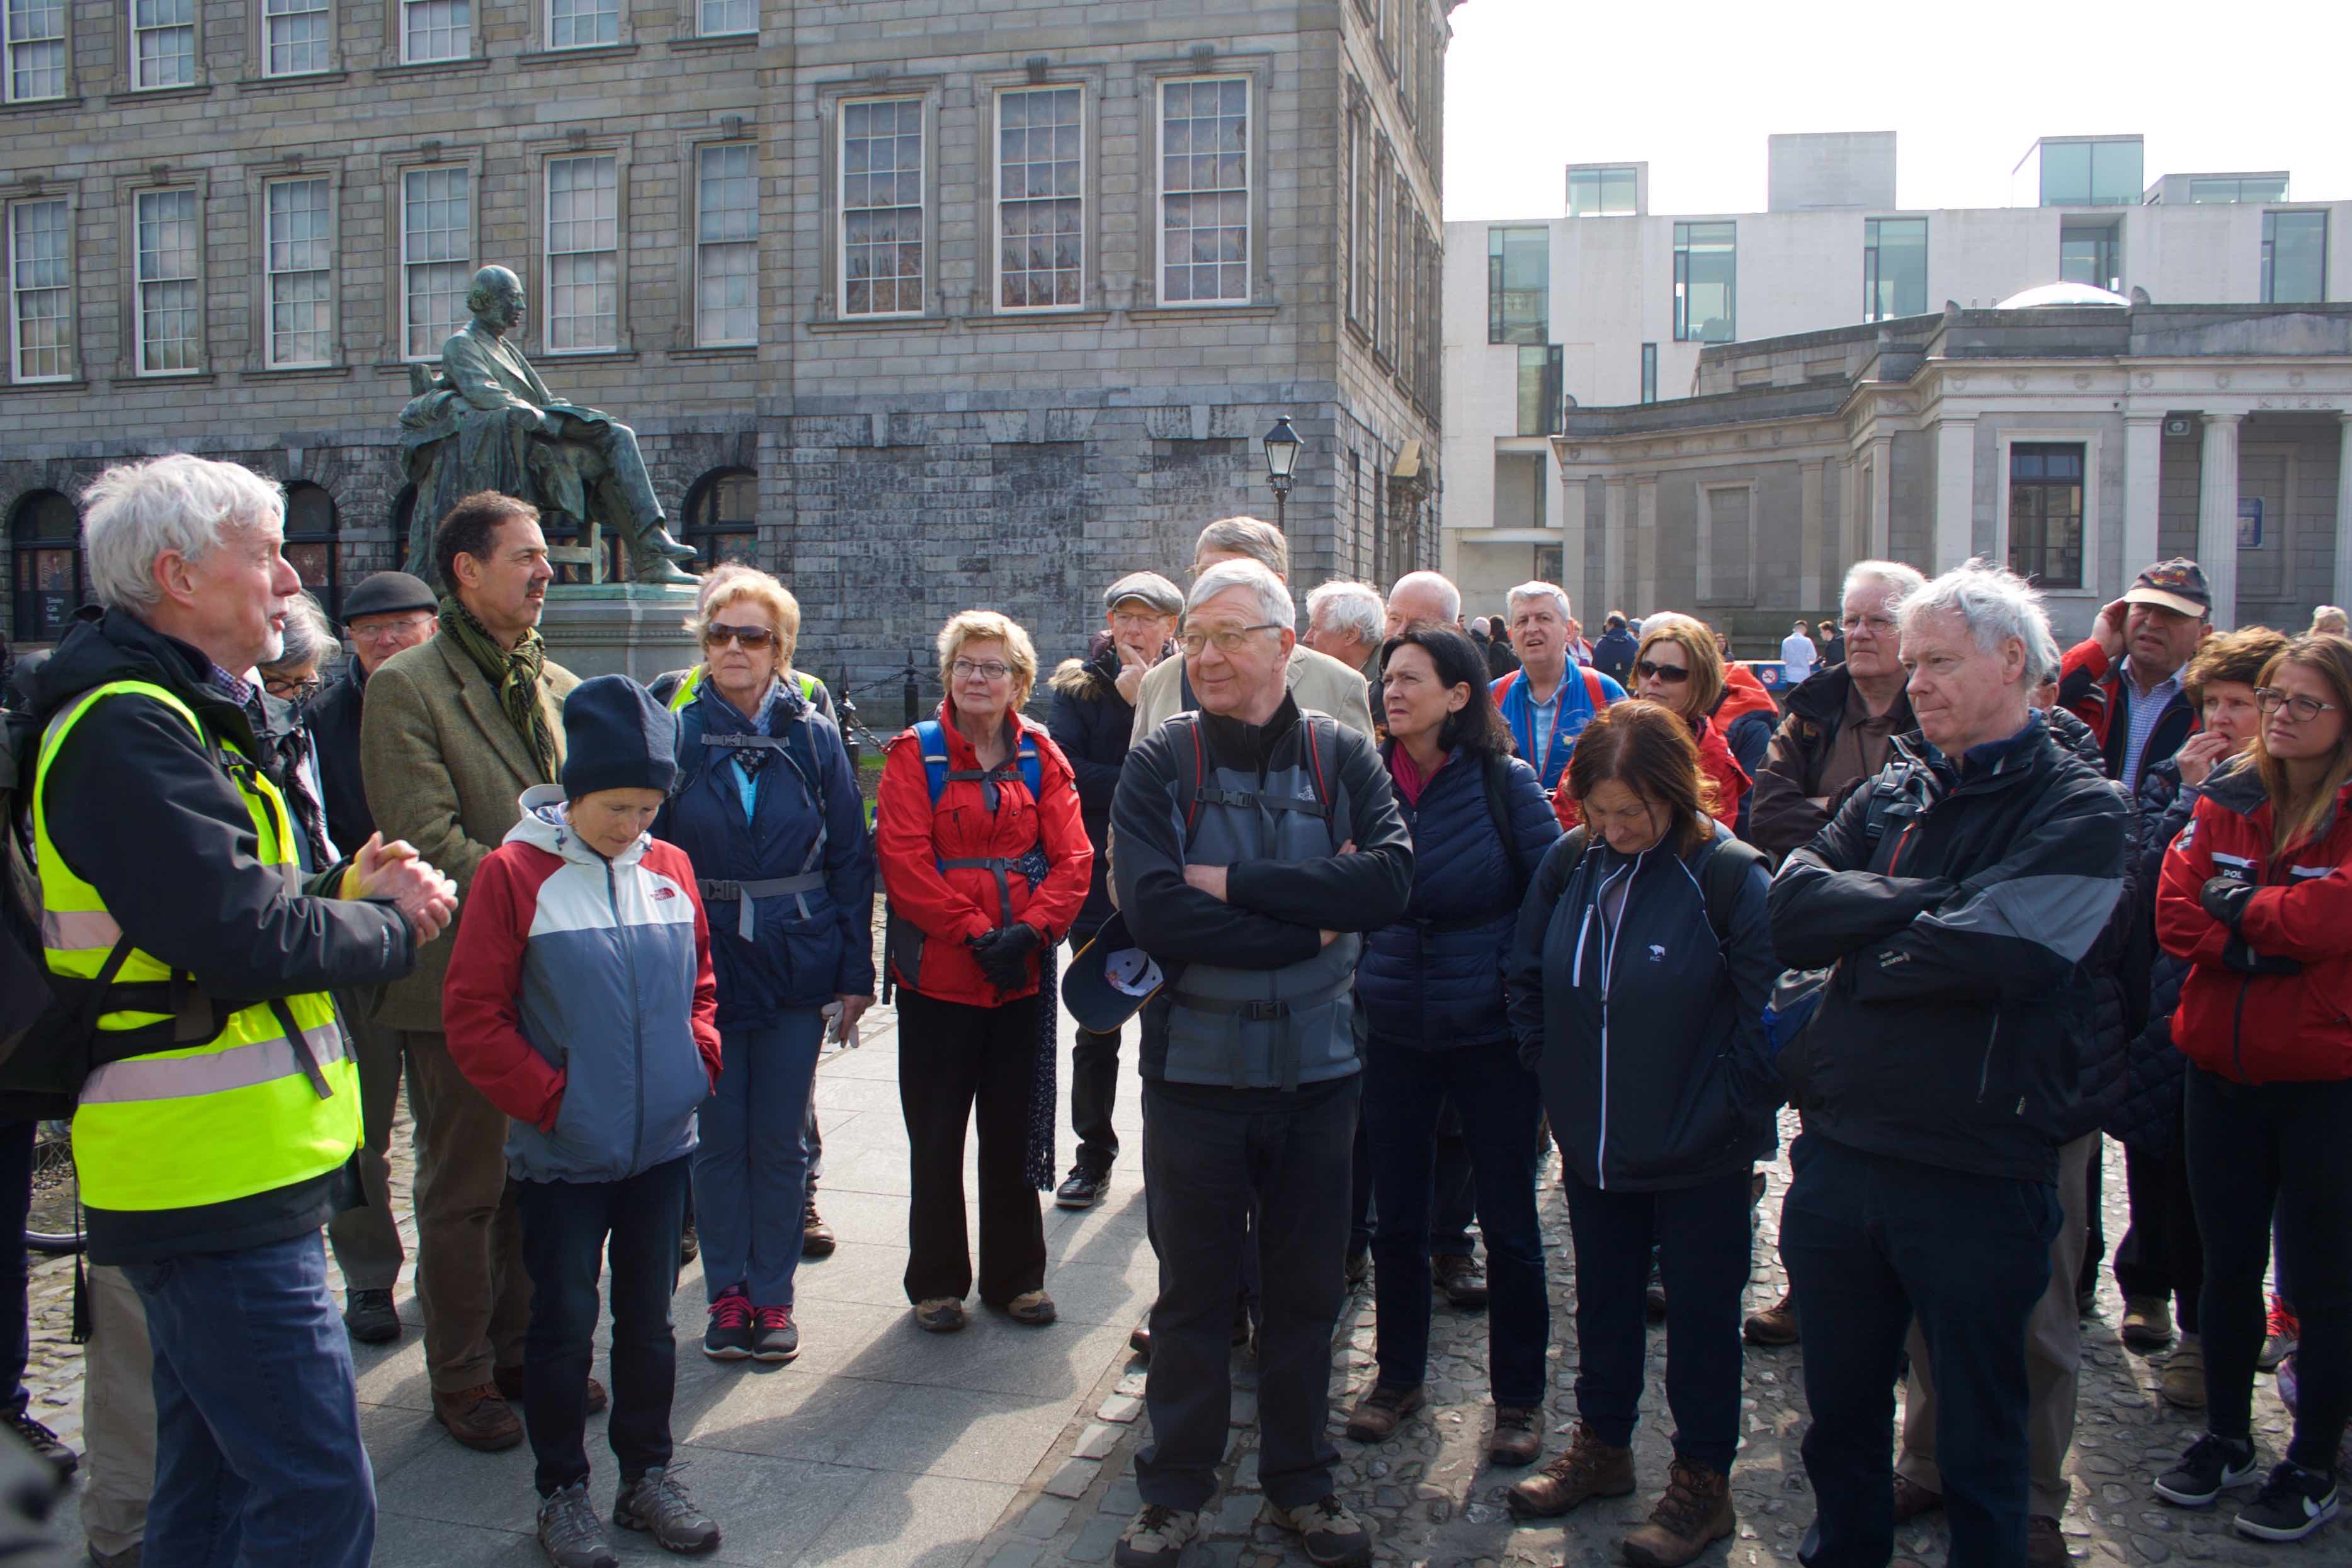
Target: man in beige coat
column 454, row 730
column 1317, row 681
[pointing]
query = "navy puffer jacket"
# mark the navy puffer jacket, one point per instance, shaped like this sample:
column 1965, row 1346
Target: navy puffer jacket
column 2119, row 1001
column 1434, row 979
column 2146, row 1118
column 1093, row 723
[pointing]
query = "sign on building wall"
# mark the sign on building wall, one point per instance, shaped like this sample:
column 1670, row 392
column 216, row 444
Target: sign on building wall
column 2250, row 522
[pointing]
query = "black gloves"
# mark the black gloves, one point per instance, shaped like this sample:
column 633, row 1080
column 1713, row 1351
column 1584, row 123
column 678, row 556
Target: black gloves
column 2225, row 899
column 1003, row 955
column 2240, row 958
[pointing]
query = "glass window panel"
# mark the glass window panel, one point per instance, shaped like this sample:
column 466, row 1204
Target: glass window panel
column 727, row 253
column 583, row 264
column 2267, row 188
column 34, row 38
column 436, row 248
column 1599, row 192
column 436, row 30
column 2115, row 173
column 2065, row 174
column 1039, row 209
column 40, row 280
column 2090, row 253
column 1518, row 285
column 170, row 313
column 882, row 207
column 1204, row 199
column 721, row 16
column 1648, row 373
column 1705, row 282
column 2295, row 257
column 1539, row 399
column 298, row 35
column 2045, row 513
column 300, row 269
column 582, row 24
column 1895, row 268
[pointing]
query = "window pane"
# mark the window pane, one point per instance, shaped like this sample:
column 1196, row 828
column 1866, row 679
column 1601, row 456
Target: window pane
column 2065, row 174
column 581, row 23
column 436, row 239
column 40, row 263
column 2271, row 188
column 1518, row 285
column 1040, row 207
column 882, row 207
column 1583, row 192
column 2045, row 513
column 2115, row 173
column 1648, row 373
column 727, row 217
column 2295, row 257
column 1705, row 282
column 1539, row 391
column 583, row 267
column 730, row 16
column 298, row 264
column 2090, row 253
column 169, row 314
column 1895, row 267
column 1205, row 194
column 436, row 30
column 298, row 35
column 36, row 65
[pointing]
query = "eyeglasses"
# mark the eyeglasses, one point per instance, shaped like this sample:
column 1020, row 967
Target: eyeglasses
column 292, row 691
column 1228, row 639
column 1880, row 626
column 2299, row 710
column 752, row 638
column 1672, row 674
column 385, row 631
column 988, row 670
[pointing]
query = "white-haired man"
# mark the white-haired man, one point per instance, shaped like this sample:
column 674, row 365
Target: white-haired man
column 1255, row 840
column 1550, row 697
column 1423, row 596
column 1345, row 621
column 1321, row 684
column 213, row 1146
column 1956, row 895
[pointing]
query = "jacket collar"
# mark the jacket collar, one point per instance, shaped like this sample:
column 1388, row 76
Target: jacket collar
column 1993, row 765
column 961, row 754
column 118, row 645
column 481, row 704
column 1248, row 745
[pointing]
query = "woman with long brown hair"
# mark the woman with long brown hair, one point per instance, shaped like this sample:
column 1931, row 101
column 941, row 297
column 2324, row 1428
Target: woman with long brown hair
column 1651, row 916
column 2257, row 896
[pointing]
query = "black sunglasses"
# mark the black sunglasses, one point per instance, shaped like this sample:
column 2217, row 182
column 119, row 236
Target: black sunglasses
column 754, row 637
column 1672, row 674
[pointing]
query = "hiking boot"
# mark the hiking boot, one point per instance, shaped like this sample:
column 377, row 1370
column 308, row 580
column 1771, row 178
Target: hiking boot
column 509, row 1380
column 816, row 1236
column 45, row 1443
column 1156, row 1537
column 2292, row 1504
column 656, row 1502
column 1032, row 1308
column 1083, row 1188
column 1695, row 1514
column 2281, row 1334
column 1381, row 1411
column 1518, row 1436
column 940, row 1315
column 480, row 1418
column 1912, row 1500
column 729, row 1335
column 2182, row 1382
column 1326, row 1532
column 1463, row 1282
column 2044, row 1546
column 2211, row 1466
column 2147, row 1322
column 1139, row 1340
column 369, row 1317
column 571, row 1533
column 1590, row 1468
column 689, row 1245
column 1775, row 1325
column 773, row 1336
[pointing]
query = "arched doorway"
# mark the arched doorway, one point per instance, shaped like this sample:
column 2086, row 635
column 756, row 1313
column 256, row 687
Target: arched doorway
column 312, row 545
column 722, row 517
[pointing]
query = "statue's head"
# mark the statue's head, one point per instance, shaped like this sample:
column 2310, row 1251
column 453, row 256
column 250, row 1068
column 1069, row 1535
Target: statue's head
column 496, row 298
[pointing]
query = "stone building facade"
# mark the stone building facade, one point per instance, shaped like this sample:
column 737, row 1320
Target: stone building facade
column 923, row 304
column 2076, row 444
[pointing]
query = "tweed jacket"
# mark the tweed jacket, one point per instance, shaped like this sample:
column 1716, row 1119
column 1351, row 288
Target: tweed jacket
column 446, row 770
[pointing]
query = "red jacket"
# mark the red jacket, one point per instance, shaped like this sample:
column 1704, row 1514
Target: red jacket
column 2294, row 1028
column 2090, row 687
column 1743, row 694
column 1715, row 761
column 950, row 908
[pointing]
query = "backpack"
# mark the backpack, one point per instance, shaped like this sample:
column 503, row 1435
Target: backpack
column 934, row 743
column 1495, row 769
column 1322, row 735
column 1719, row 884
column 1502, row 688
column 902, row 940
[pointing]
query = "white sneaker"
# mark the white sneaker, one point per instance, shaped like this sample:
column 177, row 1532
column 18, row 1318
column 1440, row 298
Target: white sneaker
column 1156, row 1537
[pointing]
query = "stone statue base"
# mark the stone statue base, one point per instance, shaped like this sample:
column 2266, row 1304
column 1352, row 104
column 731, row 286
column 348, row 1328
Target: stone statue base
column 638, row 629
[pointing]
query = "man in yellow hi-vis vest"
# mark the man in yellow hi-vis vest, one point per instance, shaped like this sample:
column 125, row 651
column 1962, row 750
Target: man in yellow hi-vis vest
column 214, row 1131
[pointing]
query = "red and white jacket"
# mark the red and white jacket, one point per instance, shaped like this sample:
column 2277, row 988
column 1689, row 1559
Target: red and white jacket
column 581, row 1000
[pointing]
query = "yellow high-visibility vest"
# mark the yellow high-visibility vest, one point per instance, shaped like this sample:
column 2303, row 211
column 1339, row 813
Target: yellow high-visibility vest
column 206, row 1123
column 693, row 683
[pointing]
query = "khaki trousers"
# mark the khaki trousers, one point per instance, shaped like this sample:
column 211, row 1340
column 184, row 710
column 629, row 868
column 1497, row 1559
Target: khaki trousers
column 470, row 1283
column 2053, row 1356
column 367, row 1242
column 118, row 1416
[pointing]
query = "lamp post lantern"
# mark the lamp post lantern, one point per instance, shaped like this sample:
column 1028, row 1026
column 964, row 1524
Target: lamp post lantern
column 1282, row 446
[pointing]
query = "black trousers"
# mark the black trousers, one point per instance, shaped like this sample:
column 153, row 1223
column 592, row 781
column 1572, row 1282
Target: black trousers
column 959, row 1065
column 1870, row 1242
column 1205, row 1165
column 1094, row 1095
column 2255, row 1149
column 2161, row 1254
column 1452, row 1191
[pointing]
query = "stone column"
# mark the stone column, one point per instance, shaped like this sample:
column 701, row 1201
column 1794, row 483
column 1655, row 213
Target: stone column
column 2217, row 516
column 1615, row 519
column 1572, row 548
column 2143, row 494
column 2344, row 510
column 1813, row 487
column 1956, row 493
column 1645, row 532
column 1881, row 500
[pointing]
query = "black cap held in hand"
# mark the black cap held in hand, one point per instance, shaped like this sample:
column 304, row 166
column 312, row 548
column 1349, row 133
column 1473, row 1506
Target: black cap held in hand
column 616, row 736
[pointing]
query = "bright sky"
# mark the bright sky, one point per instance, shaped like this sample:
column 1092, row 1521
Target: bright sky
column 1694, row 89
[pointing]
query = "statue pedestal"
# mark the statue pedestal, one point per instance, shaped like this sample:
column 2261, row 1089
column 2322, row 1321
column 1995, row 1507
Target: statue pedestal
column 638, row 629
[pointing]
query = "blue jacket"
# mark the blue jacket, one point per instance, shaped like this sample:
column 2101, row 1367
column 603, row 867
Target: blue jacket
column 1549, row 753
column 796, row 957
column 1646, row 1033
column 1434, row 979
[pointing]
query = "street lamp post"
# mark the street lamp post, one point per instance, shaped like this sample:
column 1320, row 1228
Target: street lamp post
column 1282, row 446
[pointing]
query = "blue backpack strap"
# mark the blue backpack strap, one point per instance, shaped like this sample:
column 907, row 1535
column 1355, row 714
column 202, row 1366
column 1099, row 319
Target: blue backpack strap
column 934, row 744
column 1033, row 767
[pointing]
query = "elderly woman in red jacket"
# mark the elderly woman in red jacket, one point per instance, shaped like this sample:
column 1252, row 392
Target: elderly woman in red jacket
column 985, row 860
column 2257, row 896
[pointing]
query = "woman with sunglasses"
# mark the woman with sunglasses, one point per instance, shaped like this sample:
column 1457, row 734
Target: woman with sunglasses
column 2257, row 896
column 768, row 809
column 984, row 857
column 1679, row 667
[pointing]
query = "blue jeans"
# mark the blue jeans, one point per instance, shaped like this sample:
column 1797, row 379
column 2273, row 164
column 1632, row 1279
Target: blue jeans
column 751, row 1171
column 566, row 1227
column 1405, row 1089
column 1870, row 1241
column 258, row 1459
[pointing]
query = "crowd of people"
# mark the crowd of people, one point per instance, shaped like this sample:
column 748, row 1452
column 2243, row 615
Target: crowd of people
column 1397, row 906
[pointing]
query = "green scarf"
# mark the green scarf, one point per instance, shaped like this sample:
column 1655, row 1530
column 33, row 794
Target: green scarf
column 515, row 676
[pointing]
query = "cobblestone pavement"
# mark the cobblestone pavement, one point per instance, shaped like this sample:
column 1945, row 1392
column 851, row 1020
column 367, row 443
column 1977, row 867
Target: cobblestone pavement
column 1430, row 1494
